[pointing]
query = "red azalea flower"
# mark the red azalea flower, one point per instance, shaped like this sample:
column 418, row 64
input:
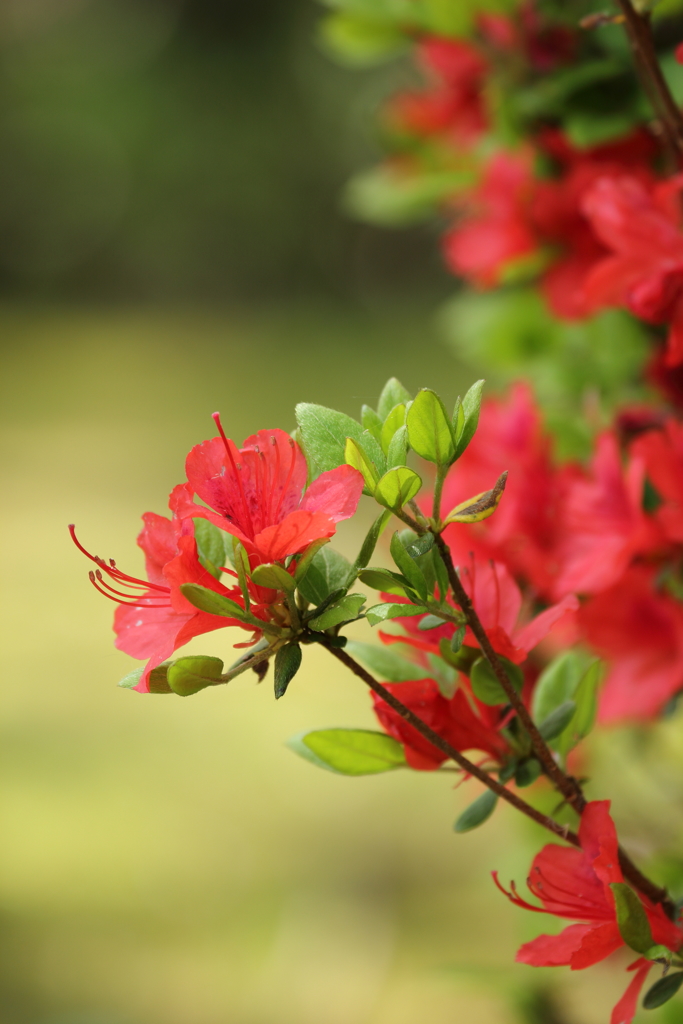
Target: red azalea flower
column 640, row 227
column 495, row 229
column 523, row 532
column 154, row 619
column 256, row 493
column 463, row 721
column 575, row 884
column 602, row 525
column 662, row 453
column 639, row 631
column 498, row 603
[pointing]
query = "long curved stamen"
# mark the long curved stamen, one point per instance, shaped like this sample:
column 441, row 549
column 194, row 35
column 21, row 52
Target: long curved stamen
column 290, row 474
column 276, row 478
column 216, row 417
column 115, row 574
column 118, row 600
column 122, row 593
column 544, row 890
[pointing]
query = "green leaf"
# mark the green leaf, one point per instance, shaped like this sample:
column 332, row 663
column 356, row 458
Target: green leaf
column 240, row 560
column 215, row 604
column 371, row 422
column 327, row 571
column 416, row 545
column 634, row 926
column 393, row 394
column 304, row 562
column 385, row 662
column 429, row 429
column 458, row 418
column 481, row 506
column 477, row 813
column 557, row 721
column 190, row 675
column 361, row 41
column 408, row 567
column 212, row 546
column 398, row 449
column 445, row 676
column 381, row 612
column 556, row 684
column 157, row 680
column 471, row 404
column 663, row 990
column 386, row 581
column 458, row 639
column 397, row 487
column 463, row 659
column 349, row 751
column 430, row 622
column 370, row 542
column 394, row 421
column 485, row 685
column 355, row 456
column 274, row 577
column 323, row 436
column 287, row 664
column 387, row 196
column 586, row 700
column 345, row 610
column 527, row 772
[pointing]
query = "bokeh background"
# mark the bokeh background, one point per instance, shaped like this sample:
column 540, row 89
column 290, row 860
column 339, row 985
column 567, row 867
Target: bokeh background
column 172, row 242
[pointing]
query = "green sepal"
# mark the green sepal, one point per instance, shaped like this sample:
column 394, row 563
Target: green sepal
column 557, row 721
column 394, row 421
column 381, row 612
column 663, row 990
column 527, row 772
column 385, row 662
column 349, row 751
column 632, row 921
column 471, row 404
column 192, row 674
column 371, row 422
column 327, row 572
column 240, row 560
column 370, row 543
column 273, row 577
column 408, row 567
column 385, row 581
column 429, row 429
column 481, row 506
column 345, row 610
column 157, row 680
column 477, row 813
column 397, row 487
column 485, row 684
column 287, row 664
column 393, row 394
column 397, row 452
column 215, row 604
column 212, row 546
column 355, row 456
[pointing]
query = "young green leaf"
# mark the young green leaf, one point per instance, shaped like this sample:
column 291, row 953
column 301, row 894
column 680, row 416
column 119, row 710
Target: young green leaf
column 556, row 684
column 477, row 813
column 240, row 560
column 211, row 546
column 408, row 567
column 458, row 419
column 370, row 542
column 397, row 487
column 386, row 581
column 190, row 675
column 323, row 436
column 632, row 921
column 349, row 751
column 557, row 721
column 430, row 622
column 415, row 545
column 385, row 662
column 394, row 421
column 381, row 612
column 481, row 506
column 274, row 577
column 345, row 610
column 485, row 684
column 393, row 394
column 663, row 990
column 371, row 422
column 215, row 604
column 356, row 457
column 287, row 664
column 471, row 404
column 429, row 429
column 397, row 453
column 327, row 571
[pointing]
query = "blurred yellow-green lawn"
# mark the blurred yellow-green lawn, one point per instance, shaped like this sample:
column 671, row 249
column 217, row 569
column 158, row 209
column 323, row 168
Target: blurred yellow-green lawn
column 172, row 243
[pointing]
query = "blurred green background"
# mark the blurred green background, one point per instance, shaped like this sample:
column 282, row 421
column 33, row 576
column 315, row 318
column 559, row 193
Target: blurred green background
column 171, row 243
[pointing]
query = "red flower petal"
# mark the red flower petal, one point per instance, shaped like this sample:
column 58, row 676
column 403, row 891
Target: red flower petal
column 553, row 950
column 336, row 493
column 292, row 535
column 625, row 1010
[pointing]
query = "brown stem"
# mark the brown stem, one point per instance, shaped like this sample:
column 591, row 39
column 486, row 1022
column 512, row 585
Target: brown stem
column 653, row 892
column 567, row 786
column 469, row 766
column 639, row 33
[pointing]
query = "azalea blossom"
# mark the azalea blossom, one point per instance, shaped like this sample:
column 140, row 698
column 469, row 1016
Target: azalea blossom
column 256, row 493
column 575, row 884
column 462, row 721
column 662, row 453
